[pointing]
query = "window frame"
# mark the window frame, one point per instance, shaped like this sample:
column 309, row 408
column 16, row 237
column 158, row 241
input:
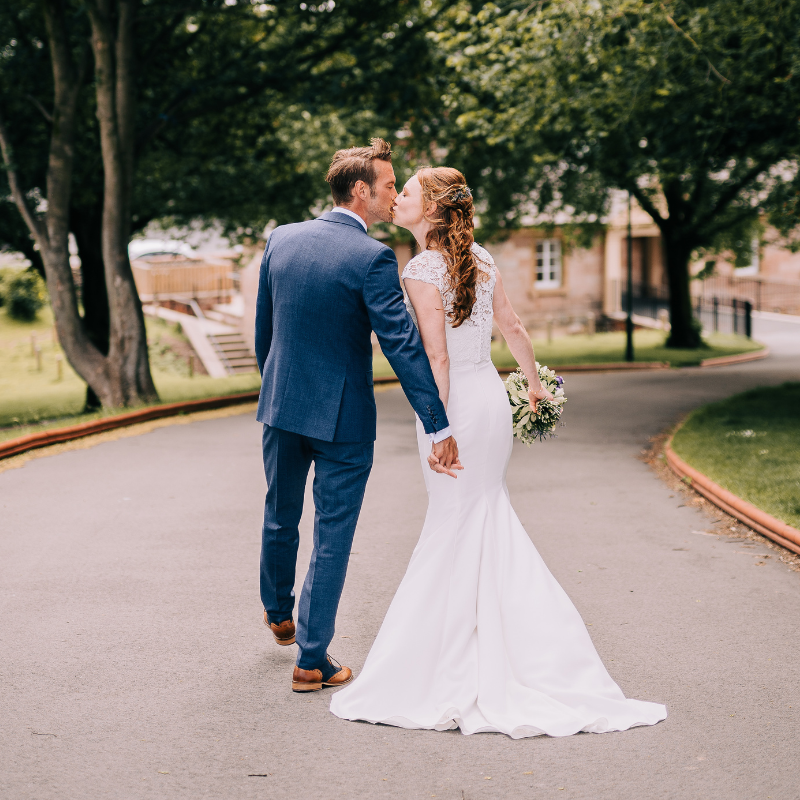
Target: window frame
column 549, row 247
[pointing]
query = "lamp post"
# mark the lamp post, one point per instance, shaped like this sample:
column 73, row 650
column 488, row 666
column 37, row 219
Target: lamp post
column 629, row 304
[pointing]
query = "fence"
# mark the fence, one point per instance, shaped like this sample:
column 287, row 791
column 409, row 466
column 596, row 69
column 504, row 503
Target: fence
column 648, row 301
column 763, row 294
column 723, row 314
column 167, row 277
column 733, row 316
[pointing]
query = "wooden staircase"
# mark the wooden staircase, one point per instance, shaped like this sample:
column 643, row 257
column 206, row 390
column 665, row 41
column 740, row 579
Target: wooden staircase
column 233, row 352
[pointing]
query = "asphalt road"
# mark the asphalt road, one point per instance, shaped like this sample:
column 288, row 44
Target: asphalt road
column 134, row 663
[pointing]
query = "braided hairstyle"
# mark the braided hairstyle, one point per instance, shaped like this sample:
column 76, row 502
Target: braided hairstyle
column 452, row 234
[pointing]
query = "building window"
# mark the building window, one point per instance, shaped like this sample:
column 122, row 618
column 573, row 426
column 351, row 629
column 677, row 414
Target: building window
column 548, row 263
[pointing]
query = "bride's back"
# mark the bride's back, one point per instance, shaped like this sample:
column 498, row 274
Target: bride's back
column 470, row 342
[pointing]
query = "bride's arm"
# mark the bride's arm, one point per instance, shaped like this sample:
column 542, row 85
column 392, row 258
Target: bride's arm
column 519, row 343
column 429, row 309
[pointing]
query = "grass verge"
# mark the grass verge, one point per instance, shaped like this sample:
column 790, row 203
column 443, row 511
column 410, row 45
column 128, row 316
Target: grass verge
column 748, row 444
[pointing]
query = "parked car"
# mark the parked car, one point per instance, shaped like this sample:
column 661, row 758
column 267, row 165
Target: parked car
column 139, row 248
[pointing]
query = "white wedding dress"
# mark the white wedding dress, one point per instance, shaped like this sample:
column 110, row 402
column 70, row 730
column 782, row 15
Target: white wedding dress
column 480, row 635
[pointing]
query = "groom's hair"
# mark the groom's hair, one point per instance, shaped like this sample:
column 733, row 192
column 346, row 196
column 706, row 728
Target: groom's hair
column 356, row 164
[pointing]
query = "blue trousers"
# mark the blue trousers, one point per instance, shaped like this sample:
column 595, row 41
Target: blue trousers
column 341, row 471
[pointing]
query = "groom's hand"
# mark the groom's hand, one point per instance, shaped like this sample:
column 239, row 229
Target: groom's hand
column 444, row 457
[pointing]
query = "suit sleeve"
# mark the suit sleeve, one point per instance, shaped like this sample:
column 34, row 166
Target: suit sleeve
column 400, row 341
column 263, row 337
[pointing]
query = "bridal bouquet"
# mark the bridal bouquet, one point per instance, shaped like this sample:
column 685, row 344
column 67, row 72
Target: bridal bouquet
column 529, row 425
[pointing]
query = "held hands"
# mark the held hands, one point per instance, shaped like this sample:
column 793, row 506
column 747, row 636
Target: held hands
column 444, row 457
column 540, row 394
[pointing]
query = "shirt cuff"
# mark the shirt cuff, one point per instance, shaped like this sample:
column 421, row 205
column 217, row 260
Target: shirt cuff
column 440, row 436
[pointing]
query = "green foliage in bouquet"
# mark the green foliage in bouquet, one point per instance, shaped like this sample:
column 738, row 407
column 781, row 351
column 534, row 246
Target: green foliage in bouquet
column 530, row 425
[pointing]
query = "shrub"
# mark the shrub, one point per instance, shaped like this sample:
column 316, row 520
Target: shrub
column 5, row 276
column 25, row 295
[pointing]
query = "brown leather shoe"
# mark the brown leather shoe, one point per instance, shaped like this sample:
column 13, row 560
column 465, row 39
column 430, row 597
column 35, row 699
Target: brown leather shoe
column 310, row 680
column 283, row 632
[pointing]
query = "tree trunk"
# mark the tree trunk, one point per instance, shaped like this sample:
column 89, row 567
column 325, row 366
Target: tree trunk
column 684, row 329
column 119, row 373
column 129, row 368
column 53, row 236
column 86, row 225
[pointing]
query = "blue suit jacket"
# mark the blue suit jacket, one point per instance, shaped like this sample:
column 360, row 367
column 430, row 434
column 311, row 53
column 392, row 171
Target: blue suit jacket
column 324, row 286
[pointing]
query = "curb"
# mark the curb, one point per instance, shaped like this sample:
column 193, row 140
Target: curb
column 14, row 447
column 753, row 517
column 613, row 366
column 740, row 358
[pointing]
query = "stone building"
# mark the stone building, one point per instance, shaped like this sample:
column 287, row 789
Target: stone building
column 551, row 283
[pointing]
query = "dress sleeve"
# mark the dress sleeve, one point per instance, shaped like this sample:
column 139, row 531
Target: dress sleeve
column 428, row 267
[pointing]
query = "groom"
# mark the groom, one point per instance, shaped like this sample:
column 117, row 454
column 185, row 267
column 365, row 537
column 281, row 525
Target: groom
column 324, row 286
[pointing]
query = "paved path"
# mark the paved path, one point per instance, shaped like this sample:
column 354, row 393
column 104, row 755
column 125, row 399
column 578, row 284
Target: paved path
column 135, row 664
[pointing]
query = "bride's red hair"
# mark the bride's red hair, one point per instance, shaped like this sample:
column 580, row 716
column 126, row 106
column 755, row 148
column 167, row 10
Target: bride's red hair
column 452, row 234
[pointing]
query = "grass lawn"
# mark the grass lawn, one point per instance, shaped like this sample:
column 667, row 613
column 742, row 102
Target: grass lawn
column 750, row 445
column 31, row 400
column 605, row 348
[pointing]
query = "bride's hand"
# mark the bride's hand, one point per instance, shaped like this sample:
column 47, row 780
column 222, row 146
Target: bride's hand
column 540, row 394
column 444, row 457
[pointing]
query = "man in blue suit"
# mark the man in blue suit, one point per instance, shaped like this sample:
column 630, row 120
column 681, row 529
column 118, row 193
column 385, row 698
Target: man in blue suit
column 324, row 286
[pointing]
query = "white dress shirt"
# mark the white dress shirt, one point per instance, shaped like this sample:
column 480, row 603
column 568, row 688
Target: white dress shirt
column 444, row 433
column 341, row 210
column 440, row 436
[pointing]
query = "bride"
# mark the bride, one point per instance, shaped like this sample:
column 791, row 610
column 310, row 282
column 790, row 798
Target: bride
column 479, row 636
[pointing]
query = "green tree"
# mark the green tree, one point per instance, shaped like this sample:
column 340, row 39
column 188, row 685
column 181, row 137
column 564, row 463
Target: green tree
column 689, row 106
column 117, row 112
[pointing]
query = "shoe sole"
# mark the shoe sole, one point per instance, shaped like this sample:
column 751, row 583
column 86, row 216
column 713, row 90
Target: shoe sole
column 315, row 687
column 306, row 687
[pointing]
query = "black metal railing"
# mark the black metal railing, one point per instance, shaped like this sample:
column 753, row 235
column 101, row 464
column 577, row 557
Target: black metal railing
column 762, row 294
column 648, row 301
column 725, row 315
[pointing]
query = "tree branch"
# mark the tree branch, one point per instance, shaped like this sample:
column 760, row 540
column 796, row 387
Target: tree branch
column 37, row 229
column 730, row 193
column 732, row 222
column 696, row 46
column 44, row 112
column 124, row 96
column 647, row 205
column 65, row 95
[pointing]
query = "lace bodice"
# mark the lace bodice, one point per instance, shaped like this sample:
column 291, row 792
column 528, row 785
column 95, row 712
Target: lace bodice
column 470, row 342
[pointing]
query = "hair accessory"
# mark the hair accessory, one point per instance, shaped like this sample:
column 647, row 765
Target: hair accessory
column 461, row 194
